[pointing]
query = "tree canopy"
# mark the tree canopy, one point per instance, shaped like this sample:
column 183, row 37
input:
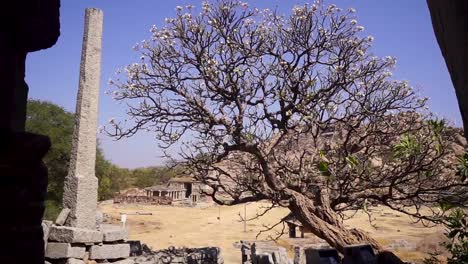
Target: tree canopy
column 295, row 109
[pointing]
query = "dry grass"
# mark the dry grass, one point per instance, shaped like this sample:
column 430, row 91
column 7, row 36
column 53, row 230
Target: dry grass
column 199, row 227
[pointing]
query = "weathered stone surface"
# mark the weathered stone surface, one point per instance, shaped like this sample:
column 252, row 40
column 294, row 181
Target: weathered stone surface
column 99, row 218
column 125, row 261
column 81, row 184
column 266, row 253
column 74, row 235
column 64, row 250
column 74, row 261
column 299, row 255
column 46, row 229
column 62, row 217
column 109, row 251
column 113, row 232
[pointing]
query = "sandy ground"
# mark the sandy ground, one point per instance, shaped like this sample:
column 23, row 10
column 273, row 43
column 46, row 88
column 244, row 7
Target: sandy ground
column 199, row 227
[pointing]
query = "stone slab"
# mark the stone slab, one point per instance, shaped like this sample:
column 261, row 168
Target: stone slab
column 46, row 229
column 109, row 251
column 126, row 261
column 64, row 250
column 74, row 235
column 62, row 217
column 74, row 261
column 113, row 232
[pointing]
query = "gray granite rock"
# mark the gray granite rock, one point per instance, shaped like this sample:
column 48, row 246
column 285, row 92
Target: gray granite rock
column 74, row 235
column 109, row 251
column 62, row 217
column 64, row 250
column 74, row 261
column 113, row 232
column 81, row 184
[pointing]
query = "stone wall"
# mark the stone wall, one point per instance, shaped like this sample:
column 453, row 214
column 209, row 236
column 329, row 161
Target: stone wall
column 157, row 200
column 206, row 255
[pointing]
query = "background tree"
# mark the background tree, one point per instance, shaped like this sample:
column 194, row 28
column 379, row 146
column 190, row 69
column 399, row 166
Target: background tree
column 293, row 109
column 49, row 119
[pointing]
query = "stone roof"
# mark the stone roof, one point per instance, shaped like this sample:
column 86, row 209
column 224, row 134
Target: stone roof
column 164, row 188
column 183, row 179
column 290, row 219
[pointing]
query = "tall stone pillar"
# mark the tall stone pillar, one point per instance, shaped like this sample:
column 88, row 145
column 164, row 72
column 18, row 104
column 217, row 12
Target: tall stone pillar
column 81, row 184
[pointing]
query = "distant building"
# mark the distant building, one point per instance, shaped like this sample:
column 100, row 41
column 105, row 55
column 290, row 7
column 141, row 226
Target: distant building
column 183, row 188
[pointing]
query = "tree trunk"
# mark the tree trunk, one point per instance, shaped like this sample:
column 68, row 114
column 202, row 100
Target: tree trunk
column 325, row 223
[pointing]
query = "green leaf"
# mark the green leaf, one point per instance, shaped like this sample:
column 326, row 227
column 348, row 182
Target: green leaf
column 462, row 169
column 407, row 147
column 323, row 168
column 352, row 161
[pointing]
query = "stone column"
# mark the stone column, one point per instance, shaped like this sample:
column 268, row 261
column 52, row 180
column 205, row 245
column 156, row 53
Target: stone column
column 81, row 184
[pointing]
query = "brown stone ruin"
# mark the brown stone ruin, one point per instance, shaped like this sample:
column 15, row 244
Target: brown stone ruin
column 179, row 191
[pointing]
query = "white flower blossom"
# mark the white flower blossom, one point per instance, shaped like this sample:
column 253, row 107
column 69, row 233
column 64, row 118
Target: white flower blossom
column 112, row 120
column 189, row 7
column 244, row 5
column 297, row 10
column 370, row 38
column 359, row 28
column 360, row 52
column 353, row 21
column 206, row 7
column 179, row 8
column 352, row 10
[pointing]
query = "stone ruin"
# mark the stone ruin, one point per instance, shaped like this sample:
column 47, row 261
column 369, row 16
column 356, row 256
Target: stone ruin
column 179, row 191
column 205, row 255
column 138, row 196
column 267, row 252
column 77, row 235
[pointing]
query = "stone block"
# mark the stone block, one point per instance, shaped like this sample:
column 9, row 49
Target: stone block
column 62, row 217
column 64, row 250
column 74, row 261
column 74, row 235
column 99, row 218
column 126, row 261
column 45, row 229
column 109, row 251
column 113, row 233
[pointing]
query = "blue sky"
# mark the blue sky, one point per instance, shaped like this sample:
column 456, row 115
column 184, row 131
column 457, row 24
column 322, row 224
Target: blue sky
column 401, row 28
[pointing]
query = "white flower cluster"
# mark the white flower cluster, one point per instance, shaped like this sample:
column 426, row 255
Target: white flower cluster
column 248, row 22
column 359, row 28
column 390, row 60
column 298, row 10
column 206, row 7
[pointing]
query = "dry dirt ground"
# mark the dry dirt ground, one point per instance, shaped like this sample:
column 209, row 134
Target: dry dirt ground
column 221, row 226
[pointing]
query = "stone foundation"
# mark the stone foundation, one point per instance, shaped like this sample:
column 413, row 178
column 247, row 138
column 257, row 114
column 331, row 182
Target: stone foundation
column 73, row 245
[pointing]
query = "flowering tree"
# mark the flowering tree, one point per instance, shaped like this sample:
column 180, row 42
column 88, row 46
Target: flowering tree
column 294, row 110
